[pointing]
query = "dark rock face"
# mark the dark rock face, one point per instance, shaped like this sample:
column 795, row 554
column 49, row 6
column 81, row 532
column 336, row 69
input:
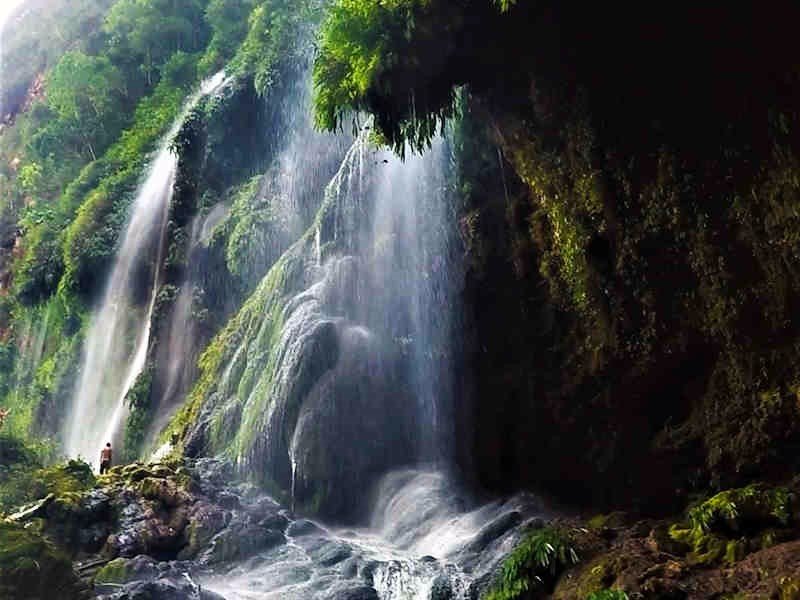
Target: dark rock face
column 359, row 593
column 329, row 465
column 162, row 589
column 614, row 327
column 441, row 589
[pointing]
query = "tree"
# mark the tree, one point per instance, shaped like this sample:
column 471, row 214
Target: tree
column 82, row 85
column 82, row 92
column 228, row 22
column 145, row 33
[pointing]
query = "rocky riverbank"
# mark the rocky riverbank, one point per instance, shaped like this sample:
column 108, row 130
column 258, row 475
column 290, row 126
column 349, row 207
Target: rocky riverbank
column 179, row 530
column 176, row 530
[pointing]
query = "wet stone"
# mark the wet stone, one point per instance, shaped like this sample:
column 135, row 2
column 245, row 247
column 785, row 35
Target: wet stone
column 441, row 589
column 494, row 530
column 333, row 554
column 228, row 500
column 303, row 527
column 359, row 593
column 349, row 568
column 161, row 589
column 276, row 522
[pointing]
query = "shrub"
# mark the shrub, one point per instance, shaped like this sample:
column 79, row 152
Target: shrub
column 537, row 560
column 729, row 525
column 30, row 567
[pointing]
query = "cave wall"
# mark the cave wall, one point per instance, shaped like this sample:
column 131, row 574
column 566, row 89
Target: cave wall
column 631, row 226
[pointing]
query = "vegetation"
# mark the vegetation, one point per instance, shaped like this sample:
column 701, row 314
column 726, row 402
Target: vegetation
column 381, row 57
column 23, row 479
column 536, row 561
column 736, row 522
column 112, row 91
column 31, row 567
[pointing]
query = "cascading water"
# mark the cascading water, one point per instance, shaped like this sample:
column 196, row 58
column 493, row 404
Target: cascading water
column 358, row 378
column 116, row 345
column 304, row 160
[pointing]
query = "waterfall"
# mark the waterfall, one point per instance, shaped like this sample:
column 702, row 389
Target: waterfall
column 337, row 387
column 116, row 344
column 354, row 319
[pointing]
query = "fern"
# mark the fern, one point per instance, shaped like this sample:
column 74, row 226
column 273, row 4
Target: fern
column 541, row 556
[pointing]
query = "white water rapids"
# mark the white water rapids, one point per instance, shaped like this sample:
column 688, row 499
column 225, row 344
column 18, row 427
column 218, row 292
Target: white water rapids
column 426, row 541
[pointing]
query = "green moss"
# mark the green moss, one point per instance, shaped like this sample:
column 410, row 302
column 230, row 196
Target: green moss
column 73, row 477
column 30, row 567
column 728, row 526
column 225, row 368
column 733, row 510
column 536, row 561
column 595, row 577
column 612, row 520
column 136, row 427
column 115, row 572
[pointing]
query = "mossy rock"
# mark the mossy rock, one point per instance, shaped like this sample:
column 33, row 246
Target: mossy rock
column 32, row 568
column 599, row 574
column 115, row 572
column 138, row 474
column 608, row 594
column 730, row 525
column 751, row 508
column 165, row 491
column 614, row 520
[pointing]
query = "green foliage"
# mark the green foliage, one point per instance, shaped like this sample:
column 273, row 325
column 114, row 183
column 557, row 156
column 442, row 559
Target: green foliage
column 81, row 87
column 727, row 526
column 136, row 427
column 734, row 509
column 31, row 567
column 228, row 20
column 43, row 356
column 30, row 178
column 401, row 61
column 146, row 33
column 83, row 94
column 257, row 233
column 608, row 594
column 108, row 188
column 276, row 41
column 367, row 50
column 23, row 479
column 538, row 559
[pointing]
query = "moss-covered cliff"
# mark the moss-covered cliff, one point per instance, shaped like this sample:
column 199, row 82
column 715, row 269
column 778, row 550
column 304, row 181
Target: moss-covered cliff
column 631, row 220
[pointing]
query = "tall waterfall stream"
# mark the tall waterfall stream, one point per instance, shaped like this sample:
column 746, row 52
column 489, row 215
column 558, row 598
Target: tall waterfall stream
column 377, row 296
column 110, row 365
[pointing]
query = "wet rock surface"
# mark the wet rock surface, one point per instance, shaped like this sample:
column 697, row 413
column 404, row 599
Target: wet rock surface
column 189, row 531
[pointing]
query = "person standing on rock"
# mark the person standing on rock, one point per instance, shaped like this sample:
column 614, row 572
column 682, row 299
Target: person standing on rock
column 105, row 459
